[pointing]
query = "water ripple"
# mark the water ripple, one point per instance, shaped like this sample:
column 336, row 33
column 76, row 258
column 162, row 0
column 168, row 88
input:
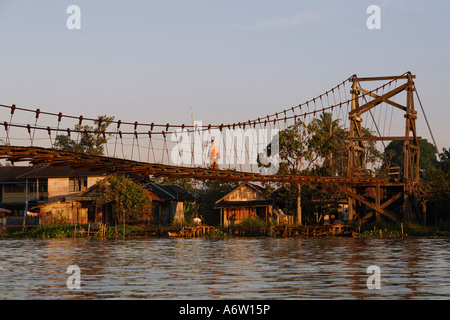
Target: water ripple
column 237, row 268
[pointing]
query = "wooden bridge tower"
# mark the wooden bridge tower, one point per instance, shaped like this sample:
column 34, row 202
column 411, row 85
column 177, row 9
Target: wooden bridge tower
column 398, row 199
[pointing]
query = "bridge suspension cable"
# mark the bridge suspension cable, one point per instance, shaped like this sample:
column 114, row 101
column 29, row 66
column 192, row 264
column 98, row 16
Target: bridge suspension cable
column 164, row 143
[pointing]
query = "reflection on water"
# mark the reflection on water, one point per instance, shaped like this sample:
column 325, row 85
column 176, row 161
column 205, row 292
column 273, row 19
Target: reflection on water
column 238, row 268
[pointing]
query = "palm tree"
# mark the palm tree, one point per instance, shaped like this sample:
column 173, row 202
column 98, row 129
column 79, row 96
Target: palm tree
column 329, row 138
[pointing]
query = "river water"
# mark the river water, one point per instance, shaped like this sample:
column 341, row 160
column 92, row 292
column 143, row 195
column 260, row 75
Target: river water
column 236, row 268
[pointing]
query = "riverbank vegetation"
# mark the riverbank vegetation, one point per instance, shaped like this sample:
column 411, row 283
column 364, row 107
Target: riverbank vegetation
column 73, row 231
column 375, row 229
column 387, row 229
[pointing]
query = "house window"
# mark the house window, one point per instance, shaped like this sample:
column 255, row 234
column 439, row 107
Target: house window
column 14, row 188
column 77, row 184
column 43, row 187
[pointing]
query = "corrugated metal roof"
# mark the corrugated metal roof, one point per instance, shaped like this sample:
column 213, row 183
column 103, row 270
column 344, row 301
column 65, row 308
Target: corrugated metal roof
column 10, row 173
column 170, row 192
column 49, row 171
column 253, row 186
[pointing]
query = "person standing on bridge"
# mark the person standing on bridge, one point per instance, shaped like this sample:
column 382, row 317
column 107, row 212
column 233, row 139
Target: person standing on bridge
column 213, row 154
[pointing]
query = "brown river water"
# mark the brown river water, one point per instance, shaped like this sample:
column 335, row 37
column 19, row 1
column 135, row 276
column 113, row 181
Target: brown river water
column 235, row 268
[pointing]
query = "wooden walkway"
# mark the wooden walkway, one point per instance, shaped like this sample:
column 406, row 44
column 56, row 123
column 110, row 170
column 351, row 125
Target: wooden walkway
column 193, row 231
column 100, row 230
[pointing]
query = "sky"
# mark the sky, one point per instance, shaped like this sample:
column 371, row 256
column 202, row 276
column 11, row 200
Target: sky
column 150, row 61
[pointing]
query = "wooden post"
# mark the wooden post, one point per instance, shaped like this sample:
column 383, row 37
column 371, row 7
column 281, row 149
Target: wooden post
column 377, row 201
column 424, row 213
column 299, row 204
column 356, row 153
column 115, row 224
column 351, row 209
column 26, row 205
column 267, row 215
column 159, row 209
column 411, row 152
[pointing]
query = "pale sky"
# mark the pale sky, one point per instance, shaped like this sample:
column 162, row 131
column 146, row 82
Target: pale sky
column 149, row 61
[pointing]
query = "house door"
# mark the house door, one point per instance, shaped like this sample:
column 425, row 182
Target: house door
column 232, row 214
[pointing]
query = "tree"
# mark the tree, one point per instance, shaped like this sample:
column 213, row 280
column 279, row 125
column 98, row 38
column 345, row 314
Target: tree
column 130, row 200
column 372, row 155
column 393, row 156
column 296, row 154
column 438, row 179
column 294, row 151
column 328, row 140
column 92, row 139
column 301, row 146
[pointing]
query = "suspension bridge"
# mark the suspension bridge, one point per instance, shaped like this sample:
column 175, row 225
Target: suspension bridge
column 385, row 105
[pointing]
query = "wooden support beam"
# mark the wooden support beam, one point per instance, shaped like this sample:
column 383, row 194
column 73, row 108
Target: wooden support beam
column 367, row 216
column 387, row 213
column 391, row 200
column 369, row 105
column 392, row 103
column 384, row 78
column 375, row 138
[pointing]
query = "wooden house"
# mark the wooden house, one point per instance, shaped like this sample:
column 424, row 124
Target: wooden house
column 13, row 191
column 247, row 200
column 56, row 182
column 77, row 208
column 23, row 188
column 170, row 202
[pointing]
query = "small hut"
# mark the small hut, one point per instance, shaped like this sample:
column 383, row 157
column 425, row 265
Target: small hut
column 247, row 200
column 171, row 201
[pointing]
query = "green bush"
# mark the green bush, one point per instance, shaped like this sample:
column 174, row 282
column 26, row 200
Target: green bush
column 217, row 234
column 253, row 222
column 117, row 232
column 43, row 231
column 67, row 231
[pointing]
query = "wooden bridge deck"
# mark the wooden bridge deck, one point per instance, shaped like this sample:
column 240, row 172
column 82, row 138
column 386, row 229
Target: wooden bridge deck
column 40, row 156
